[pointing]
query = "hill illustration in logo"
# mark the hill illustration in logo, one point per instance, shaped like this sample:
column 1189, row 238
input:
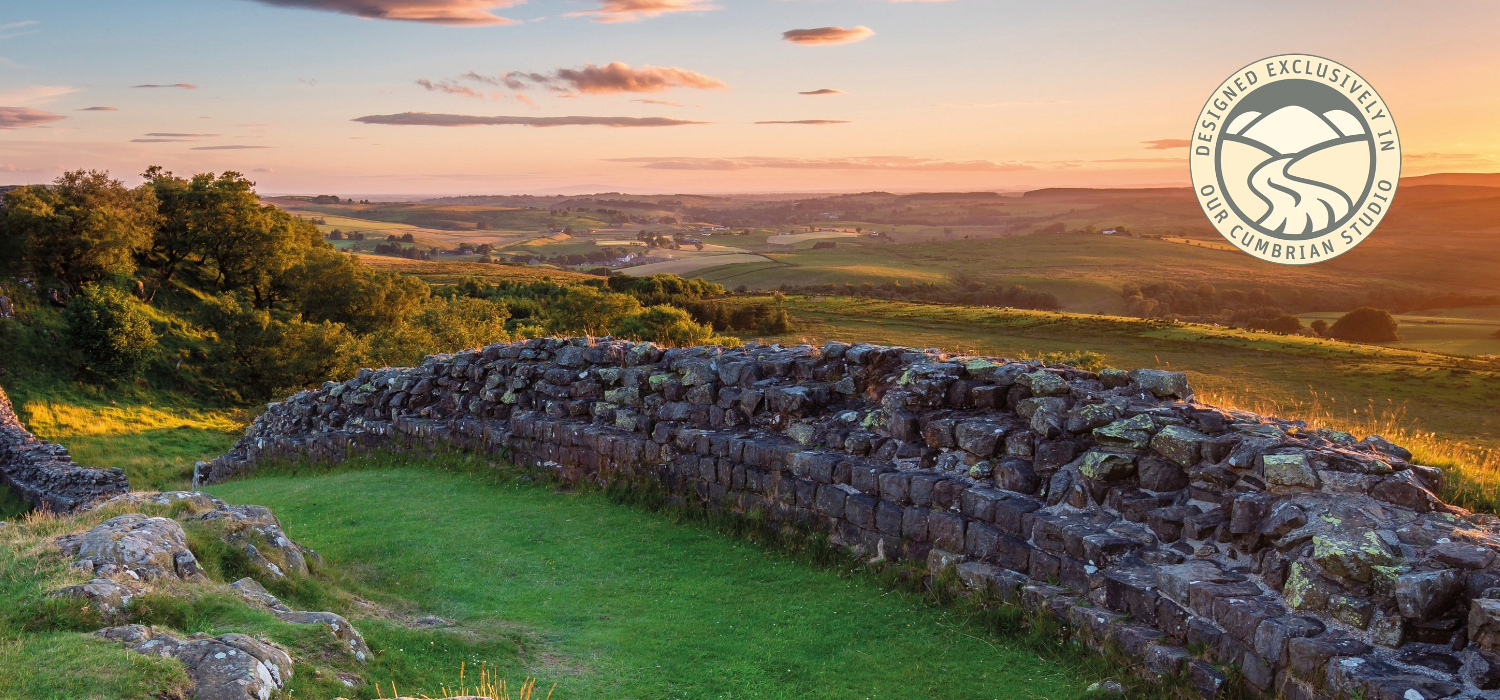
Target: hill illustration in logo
column 1294, row 171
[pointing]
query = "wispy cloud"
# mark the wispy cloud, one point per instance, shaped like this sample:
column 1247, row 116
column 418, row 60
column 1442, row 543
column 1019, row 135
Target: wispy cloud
column 633, row 10
column 233, row 147
column 611, row 78
column 182, row 136
column 460, row 13
column 807, row 122
column 11, row 29
column 897, row 163
column 1165, row 144
column 19, row 117
column 1010, row 103
column 181, row 86
column 666, row 103
column 159, row 140
column 98, row 109
column 827, row 35
column 450, row 87
column 35, row 94
column 822, row 91
column 429, row 119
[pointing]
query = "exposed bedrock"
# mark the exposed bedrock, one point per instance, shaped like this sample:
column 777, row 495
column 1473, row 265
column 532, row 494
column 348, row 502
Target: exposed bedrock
column 44, row 475
column 1319, row 564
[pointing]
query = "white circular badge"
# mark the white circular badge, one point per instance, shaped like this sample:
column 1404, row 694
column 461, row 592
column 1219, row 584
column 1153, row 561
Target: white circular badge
column 1295, row 159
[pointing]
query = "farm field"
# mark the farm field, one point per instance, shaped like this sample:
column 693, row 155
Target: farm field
column 1463, row 331
column 688, row 265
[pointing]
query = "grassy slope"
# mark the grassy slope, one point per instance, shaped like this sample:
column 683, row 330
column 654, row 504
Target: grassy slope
column 1279, row 369
column 624, row 603
column 1440, row 403
column 154, row 428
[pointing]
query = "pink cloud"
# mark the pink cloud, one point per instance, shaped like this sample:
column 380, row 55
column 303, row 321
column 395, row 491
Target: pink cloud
column 19, row 117
column 460, row 13
column 429, row 119
column 632, row 10
column 827, row 35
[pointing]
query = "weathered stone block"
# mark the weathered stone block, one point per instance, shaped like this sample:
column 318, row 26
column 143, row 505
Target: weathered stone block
column 1179, row 444
column 1289, row 473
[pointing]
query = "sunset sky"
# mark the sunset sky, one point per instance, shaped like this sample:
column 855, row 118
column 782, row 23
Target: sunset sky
column 478, row 96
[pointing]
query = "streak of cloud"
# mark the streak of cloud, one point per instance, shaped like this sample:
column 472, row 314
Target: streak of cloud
column 611, row 78
column 35, row 94
column 98, row 109
column 182, row 136
column 182, row 86
column 458, row 13
column 611, row 11
column 430, row 119
column 449, row 87
column 667, row 103
column 21, row 117
column 234, row 147
column 1165, row 144
column 822, row 36
column 822, row 91
column 806, row 122
column 894, row 163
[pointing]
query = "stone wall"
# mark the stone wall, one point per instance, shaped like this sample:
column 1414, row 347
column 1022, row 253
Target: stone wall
column 1196, row 539
column 44, row 475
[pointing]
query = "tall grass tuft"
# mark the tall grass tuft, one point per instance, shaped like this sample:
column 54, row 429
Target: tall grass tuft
column 1472, row 472
column 489, row 685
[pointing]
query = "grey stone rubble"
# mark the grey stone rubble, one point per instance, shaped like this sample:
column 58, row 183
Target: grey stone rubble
column 44, row 475
column 131, row 554
column 1319, row 564
column 226, row 667
column 353, row 641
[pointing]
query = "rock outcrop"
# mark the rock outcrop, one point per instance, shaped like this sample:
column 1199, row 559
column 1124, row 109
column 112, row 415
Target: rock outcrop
column 1188, row 536
column 133, row 554
column 226, row 667
column 44, row 475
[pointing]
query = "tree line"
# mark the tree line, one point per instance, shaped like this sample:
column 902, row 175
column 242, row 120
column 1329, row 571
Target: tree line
column 192, row 281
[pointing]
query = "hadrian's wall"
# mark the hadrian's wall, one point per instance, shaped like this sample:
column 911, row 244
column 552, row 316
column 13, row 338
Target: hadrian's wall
column 1318, row 564
column 44, row 475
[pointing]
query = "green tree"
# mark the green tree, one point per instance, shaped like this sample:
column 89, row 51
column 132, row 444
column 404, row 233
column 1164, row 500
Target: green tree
column 82, row 228
column 329, row 286
column 262, row 353
column 1365, row 325
column 111, row 330
column 1320, row 327
column 667, row 325
column 586, row 310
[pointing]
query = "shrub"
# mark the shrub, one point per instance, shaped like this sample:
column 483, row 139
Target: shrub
column 1365, row 325
column 111, row 330
column 1285, row 324
column 1320, row 327
column 667, row 325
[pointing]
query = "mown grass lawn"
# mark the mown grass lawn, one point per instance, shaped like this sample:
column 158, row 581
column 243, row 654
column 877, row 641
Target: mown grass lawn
column 623, row 603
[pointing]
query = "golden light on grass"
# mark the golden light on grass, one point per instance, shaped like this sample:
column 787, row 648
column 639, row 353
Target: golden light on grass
column 488, row 685
column 1472, row 472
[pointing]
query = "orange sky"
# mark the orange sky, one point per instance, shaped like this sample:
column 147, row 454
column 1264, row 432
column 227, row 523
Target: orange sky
column 689, row 95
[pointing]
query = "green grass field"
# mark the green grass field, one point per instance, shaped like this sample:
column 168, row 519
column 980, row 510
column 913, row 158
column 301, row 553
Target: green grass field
column 601, row 598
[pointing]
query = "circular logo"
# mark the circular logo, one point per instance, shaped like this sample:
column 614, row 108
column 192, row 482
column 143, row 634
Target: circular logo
column 1295, row 159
